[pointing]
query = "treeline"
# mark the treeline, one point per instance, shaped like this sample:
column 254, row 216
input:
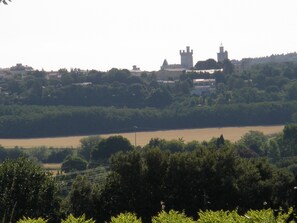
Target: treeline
column 118, row 88
column 257, row 172
column 147, row 181
column 39, row 121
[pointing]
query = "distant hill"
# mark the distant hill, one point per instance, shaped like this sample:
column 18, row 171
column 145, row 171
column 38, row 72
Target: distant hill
column 275, row 58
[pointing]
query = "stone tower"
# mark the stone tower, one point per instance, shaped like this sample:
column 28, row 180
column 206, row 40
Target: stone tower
column 186, row 58
column 222, row 55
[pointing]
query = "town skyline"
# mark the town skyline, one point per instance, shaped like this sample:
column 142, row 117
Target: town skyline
column 95, row 35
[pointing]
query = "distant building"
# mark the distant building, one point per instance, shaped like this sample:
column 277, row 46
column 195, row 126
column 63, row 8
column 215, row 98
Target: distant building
column 203, row 86
column 166, row 66
column 136, row 71
column 186, row 61
column 222, row 55
column 173, row 71
column 53, row 75
column 186, row 58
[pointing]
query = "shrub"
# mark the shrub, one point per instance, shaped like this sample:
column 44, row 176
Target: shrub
column 220, row 216
column 81, row 219
column 125, row 218
column 32, row 220
column 171, row 217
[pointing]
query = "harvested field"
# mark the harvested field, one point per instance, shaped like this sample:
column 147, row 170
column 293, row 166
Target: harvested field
column 142, row 138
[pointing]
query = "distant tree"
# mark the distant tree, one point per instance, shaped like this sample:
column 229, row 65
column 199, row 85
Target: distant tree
column 207, row 65
column 220, row 141
column 87, row 145
column 159, row 98
column 74, row 163
column 156, row 142
column 228, row 67
column 173, row 146
column 289, row 143
column 109, row 146
column 255, row 141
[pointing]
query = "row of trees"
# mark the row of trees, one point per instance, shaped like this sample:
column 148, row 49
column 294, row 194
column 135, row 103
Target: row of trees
column 36, row 121
column 259, row 83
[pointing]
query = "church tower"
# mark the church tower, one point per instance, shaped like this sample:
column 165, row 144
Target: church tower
column 186, row 58
column 222, row 55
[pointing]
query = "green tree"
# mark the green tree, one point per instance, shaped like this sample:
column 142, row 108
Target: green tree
column 82, row 198
column 255, row 141
column 289, row 144
column 26, row 190
column 74, row 163
column 109, row 146
column 87, row 145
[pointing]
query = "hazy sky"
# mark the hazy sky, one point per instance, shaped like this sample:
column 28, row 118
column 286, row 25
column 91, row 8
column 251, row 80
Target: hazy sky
column 102, row 34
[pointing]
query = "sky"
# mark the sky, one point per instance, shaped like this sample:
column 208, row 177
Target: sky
column 105, row 34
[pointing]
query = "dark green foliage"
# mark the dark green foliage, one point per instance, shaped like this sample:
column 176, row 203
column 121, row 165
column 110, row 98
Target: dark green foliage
column 26, row 190
column 290, row 140
column 88, row 144
column 255, row 141
column 111, row 145
column 33, row 121
column 203, row 179
column 82, row 198
column 11, row 153
column 74, row 163
column 48, row 155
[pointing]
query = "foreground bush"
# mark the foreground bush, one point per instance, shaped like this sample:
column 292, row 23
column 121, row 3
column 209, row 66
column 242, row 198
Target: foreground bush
column 249, row 217
column 220, row 216
column 171, row 217
column 32, row 220
column 261, row 216
column 125, row 218
column 81, row 219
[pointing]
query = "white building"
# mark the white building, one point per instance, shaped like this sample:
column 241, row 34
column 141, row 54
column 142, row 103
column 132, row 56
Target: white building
column 203, row 86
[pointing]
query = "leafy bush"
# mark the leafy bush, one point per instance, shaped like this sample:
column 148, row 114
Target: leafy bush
column 220, row 216
column 252, row 216
column 32, row 220
column 171, row 217
column 260, row 216
column 125, row 218
column 81, row 219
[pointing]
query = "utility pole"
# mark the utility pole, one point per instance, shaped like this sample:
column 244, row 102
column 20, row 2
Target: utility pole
column 135, row 129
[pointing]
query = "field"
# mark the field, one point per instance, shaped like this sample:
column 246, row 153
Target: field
column 142, row 138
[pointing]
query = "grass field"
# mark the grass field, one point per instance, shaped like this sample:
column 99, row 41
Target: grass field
column 142, row 138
